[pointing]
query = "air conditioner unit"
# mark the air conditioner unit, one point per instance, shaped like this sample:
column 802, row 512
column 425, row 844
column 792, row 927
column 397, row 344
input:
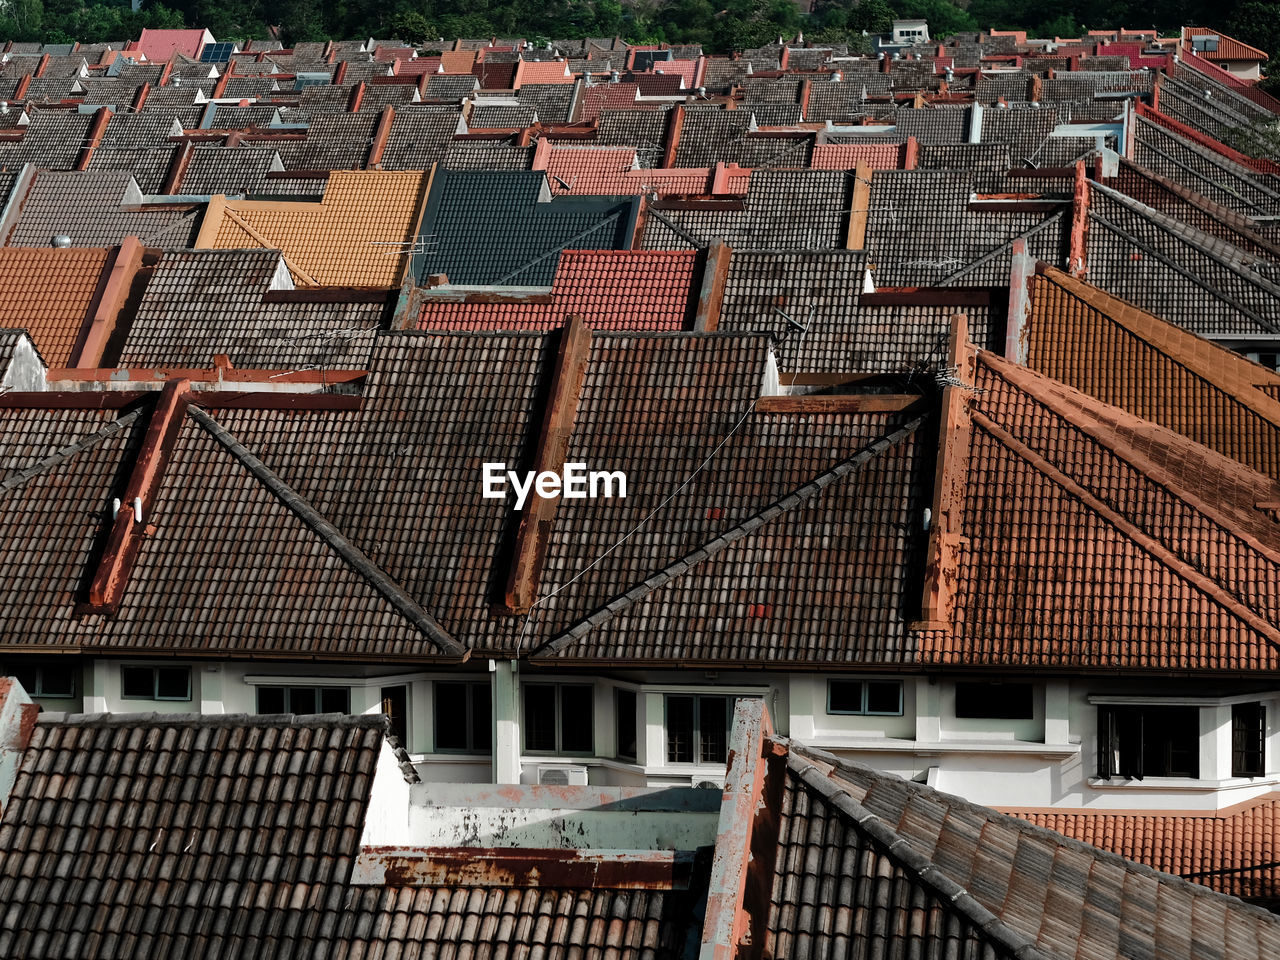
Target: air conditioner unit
column 562, row 775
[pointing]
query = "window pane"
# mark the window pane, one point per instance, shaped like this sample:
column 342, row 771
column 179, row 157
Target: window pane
column 844, row 696
column 680, row 729
column 1171, row 742
column 302, row 700
column 57, row 680
column 1248, row 740
column 713, row 729
column 481, row 718
column 625, row 708
column 336, row 700
column 540, row 717
column 173, row 683
column 395, row 704
column 137, row 683
column 994, row 701
column 451, row 716
column 577, row 718
column 884, row 697
column 271, row 700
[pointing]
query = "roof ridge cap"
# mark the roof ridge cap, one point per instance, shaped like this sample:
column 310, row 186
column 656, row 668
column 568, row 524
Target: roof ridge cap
column 354, row 557
column 60, row 456
column 1051, row 397
column 1044, row 833
column 743, row 529
column 1246, row 392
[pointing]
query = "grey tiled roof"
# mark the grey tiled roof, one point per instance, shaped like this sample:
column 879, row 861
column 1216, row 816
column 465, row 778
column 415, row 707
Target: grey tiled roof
column 229, row 170
column 487, row 155
column 859, row 849
column 201, row 303
column 1203, row 171
column 419, row 137
column 338, row 141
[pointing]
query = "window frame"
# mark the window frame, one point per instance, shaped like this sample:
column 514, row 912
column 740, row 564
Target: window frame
column 559, row 687
column 470, row 750
column 155, row 682
column 39, row 668
column 287, row 688
column 1239, row 750
column 1110, row 764
column 863, row 711
column 730, row 700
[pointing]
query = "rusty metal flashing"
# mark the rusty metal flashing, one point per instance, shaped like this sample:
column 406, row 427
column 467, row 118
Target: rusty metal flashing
column 954, row 429
column 520, row 867
column 124, row 541
column 738, row 896
column 558, row 419
column 715, row 273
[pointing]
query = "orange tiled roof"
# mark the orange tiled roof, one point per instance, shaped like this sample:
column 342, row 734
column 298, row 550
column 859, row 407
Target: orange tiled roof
column 541, row 71
column 611, row 172
column 1229, row 48
column 1187, row 843
column 846, row 156
column 1128, row 358
column 49, row 292
column 356, row 236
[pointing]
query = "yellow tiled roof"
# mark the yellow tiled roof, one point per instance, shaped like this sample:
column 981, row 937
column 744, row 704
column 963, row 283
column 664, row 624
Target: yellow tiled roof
column 48, row 292
column 357, row 236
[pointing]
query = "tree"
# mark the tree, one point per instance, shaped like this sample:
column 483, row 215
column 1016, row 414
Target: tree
column 412, row 27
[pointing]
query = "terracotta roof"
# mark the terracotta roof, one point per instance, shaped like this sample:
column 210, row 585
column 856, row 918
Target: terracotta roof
column 1233, row 851
column 1126, row 357
column 846, row 156
column 609, row 289
column 1229, row 48
column 336, row 242
column 162, row 44
column 49, row 292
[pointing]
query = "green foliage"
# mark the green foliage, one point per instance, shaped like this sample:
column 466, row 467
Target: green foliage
column 412, row 27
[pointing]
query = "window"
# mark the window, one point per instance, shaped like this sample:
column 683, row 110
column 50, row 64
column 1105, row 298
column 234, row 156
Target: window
column 698, row 728
column 395, row 704
column 559, row 717
column 876, row 698
column 464, row 717
column 46, row 680
column 304, row 700
column 1142, row 741
column 994, row 701
column 624, row 703
column 1248, row 740
column 155, row 683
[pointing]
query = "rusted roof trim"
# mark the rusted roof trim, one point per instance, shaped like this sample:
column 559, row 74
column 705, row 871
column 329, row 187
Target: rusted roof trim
column 524, row 867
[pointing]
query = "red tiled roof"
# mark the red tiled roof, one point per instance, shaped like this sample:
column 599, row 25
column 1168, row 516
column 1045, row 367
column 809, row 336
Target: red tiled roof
column 846, row 156
column 612, row 96
column 610, row 171
column 541, row 71
column 1187, row 843
column 160, row 45
column 681, row 68
column 1229, row 48
column 418, row 66
column 609, row 289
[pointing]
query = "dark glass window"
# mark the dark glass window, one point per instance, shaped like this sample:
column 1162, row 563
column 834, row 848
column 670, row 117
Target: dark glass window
column 625, row 722
column 994, row 701
column 395, row 705
column 304, row 701
column 559, row 717
column 1248, row 740
column 865, row 697
column 463, row 717
column 698, row 728
column 45, row 680
column 155, row 683
column 1146, row 741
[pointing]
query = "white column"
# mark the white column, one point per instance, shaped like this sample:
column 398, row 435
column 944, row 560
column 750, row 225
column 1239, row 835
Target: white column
column 1057, row 711
column 1215, row 742
column 210, row 679
column 928, row 711
column 653, row 738
column 506, row 721
column 802, row 707
column 95, row 686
